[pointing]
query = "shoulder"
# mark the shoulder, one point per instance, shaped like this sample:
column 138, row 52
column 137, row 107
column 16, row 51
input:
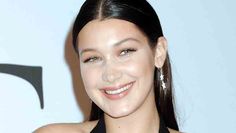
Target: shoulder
column 84, row 127
column 173, row 131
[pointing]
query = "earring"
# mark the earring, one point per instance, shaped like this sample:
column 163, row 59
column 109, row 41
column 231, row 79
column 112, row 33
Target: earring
column 163, row 84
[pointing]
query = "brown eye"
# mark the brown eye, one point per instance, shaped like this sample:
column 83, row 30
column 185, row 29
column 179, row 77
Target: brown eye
column 127, row 51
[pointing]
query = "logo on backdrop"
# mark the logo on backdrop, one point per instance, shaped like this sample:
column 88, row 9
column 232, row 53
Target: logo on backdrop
column 32, row 74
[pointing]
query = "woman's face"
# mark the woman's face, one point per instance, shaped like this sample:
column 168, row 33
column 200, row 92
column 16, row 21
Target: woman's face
column 117, row 65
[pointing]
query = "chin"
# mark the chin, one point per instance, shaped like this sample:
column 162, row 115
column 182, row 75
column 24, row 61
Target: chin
column 120, row 112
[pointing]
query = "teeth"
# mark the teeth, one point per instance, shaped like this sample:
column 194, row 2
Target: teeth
column 112, row 92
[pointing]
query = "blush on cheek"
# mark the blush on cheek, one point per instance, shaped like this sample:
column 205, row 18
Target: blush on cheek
column 140, row 67
column 85, row 75
column 91, row 77
column 133, row 69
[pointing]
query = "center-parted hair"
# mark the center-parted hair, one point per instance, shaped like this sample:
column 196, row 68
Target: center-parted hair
column 140, row 13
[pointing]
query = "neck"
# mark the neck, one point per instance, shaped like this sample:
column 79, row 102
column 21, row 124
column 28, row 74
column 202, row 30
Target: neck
column 144, row 120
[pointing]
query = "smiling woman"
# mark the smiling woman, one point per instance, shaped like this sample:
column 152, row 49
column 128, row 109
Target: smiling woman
column 125, row 69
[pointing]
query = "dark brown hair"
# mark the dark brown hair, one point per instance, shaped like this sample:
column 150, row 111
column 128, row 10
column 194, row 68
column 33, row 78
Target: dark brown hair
column 141, row 13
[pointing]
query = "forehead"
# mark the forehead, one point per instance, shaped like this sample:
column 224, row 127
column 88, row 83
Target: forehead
column 108, row 31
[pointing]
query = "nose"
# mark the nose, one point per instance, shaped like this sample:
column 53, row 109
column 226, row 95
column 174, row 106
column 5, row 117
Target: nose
column 111, row 73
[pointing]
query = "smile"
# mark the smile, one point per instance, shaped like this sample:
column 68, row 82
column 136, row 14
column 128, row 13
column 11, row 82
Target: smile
column 114, row 93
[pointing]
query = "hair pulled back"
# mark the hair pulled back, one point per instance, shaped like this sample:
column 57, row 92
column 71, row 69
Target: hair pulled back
column 141, row 13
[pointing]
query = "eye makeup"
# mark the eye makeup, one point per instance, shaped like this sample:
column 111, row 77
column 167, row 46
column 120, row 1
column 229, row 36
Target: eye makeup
column 91, row 59
column 127, row 51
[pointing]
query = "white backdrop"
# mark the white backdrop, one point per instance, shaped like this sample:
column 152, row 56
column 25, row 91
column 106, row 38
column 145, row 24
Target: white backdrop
column 201, row 36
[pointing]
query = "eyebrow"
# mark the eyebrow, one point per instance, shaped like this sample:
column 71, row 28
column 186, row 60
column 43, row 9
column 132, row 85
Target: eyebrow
column 115, row 45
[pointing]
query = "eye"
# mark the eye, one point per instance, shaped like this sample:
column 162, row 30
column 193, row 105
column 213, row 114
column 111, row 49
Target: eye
column 127, row 51
column 91, row 59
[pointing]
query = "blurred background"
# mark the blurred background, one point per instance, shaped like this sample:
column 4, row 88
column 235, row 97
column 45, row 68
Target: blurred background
column 201, row 37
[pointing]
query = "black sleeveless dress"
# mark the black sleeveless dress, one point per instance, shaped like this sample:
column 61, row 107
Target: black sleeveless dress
column 100, row 127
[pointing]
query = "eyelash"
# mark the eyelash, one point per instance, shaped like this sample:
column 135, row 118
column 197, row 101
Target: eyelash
column 95, row 58
column 91, row 59
column 127, row 51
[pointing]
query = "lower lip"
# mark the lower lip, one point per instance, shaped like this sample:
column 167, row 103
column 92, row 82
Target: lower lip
column 119, row 95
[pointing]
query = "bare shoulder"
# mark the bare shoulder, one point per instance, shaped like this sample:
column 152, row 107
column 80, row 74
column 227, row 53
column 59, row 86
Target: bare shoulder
column 84, row 127
column 173, row 131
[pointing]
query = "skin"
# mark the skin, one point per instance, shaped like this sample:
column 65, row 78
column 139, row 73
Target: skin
column 114, row 52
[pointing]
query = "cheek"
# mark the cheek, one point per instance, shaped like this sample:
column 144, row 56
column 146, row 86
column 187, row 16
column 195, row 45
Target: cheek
column 141, row 66
column 89, row 76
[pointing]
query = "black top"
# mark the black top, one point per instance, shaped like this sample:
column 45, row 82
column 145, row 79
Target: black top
column 101, row 128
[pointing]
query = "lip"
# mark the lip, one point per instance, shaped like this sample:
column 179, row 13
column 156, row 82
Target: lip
column 118, row 95
column 116, row 87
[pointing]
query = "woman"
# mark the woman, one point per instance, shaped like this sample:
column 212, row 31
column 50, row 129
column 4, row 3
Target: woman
column 125, row 69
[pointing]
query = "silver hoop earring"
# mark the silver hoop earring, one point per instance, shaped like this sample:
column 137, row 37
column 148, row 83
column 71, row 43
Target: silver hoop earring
column 163, row 84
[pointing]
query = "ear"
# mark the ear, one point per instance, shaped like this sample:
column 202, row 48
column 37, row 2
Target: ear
column 160, row 52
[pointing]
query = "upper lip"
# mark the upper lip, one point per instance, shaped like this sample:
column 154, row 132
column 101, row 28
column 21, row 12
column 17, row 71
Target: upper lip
column 116, row 87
